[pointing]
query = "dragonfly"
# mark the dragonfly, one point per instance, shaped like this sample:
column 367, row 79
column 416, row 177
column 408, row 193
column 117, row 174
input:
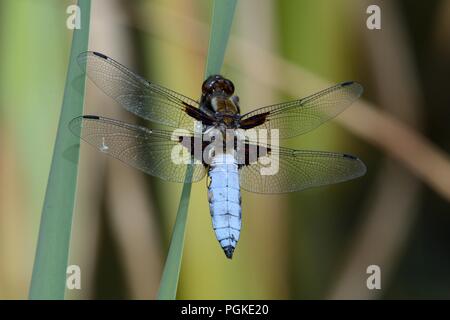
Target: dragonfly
column 210, row 137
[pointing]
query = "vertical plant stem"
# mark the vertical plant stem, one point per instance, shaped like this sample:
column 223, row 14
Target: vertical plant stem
column 222, row 17
column 49, row 270
column 171, row 273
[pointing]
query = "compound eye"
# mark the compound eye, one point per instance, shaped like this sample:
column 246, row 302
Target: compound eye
column 228, row 87
column 225, row 86
column 209, row 85
column 217, row 83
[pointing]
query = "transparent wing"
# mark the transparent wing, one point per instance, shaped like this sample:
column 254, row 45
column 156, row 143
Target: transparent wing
column 145, row 149
column 300, row 116
column 298, row 170
column 147, row 100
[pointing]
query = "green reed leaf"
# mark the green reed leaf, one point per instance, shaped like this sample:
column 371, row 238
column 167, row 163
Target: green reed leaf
column 50, row 264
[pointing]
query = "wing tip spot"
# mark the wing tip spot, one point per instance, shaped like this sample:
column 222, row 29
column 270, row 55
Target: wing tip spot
column 362, row 165
column 347, row 83
column 349, row 156
column 91, row 117
column 101, row 55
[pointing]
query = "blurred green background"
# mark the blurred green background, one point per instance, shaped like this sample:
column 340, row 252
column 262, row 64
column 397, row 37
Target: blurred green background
column 313, row 244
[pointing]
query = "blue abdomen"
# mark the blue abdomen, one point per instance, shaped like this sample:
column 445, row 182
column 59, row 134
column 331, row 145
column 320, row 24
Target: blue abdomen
column 225, row 201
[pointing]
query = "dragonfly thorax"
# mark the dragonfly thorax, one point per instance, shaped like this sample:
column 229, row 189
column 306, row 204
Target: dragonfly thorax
column 226, row 120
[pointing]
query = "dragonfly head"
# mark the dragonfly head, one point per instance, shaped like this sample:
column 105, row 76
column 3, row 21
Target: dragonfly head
column 217, row 95
column 217, row 85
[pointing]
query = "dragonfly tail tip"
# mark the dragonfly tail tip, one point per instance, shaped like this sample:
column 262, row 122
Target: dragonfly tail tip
column 229, row 251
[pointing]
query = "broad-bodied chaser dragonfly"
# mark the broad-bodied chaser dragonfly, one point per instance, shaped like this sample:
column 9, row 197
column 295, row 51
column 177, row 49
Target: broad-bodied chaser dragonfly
column 214, row 136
